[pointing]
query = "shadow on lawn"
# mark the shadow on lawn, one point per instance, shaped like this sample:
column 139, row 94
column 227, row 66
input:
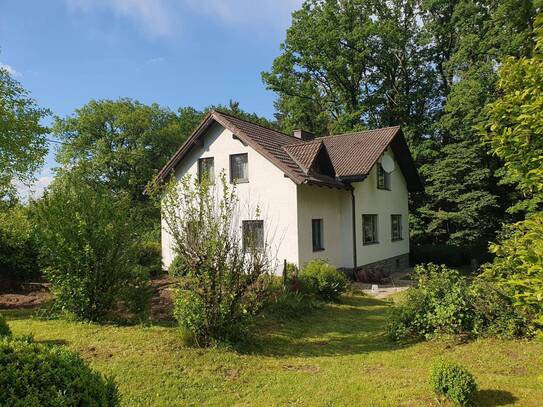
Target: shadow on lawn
column 354, row 326
column 491, row 398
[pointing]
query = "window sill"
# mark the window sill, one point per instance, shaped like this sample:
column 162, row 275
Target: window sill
column 397, row 240
column 384, row 189
column 319, row 250
column 369, row 243
column 240, row 181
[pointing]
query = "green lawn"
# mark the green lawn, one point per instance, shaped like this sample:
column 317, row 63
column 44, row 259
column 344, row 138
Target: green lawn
column 336, row 356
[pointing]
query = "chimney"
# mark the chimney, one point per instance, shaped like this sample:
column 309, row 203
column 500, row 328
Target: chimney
column 303, row 135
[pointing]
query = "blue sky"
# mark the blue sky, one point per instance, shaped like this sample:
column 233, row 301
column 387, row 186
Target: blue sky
column 173, row 52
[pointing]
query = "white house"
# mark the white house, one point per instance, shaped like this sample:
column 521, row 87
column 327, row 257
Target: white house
column 342, row 198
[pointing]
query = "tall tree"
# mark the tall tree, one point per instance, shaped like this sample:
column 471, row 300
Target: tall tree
column 464, row 203
column 23, row 143
column 120, row 144
column 354, row 64
column 514, row 132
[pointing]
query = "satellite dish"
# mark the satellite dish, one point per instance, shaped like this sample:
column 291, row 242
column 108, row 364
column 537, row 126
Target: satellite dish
column 388, row 163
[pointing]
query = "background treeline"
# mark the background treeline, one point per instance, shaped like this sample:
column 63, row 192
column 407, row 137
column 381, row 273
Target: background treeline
column 430, row 66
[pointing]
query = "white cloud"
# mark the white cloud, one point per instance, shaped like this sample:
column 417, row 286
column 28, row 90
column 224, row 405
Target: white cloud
column 162, row 17
column 261, row 13
column 10, row 69
column 36, row 189
column 152, row 15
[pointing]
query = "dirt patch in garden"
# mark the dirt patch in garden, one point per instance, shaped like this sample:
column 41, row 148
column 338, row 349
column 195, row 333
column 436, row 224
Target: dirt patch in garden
column 34, row 295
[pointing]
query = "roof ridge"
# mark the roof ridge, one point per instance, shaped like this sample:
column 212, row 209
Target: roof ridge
column 304, row 142
column 361, row 131
column 251, row 122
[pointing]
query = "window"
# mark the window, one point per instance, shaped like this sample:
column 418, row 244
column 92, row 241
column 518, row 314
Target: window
column 238, row 168
column 253, row 234
column 383, row 178
column 317, row 231
column 206, row 168
column 369, row 229
column 396, row 227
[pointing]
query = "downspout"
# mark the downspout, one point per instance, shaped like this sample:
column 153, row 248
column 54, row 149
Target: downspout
column 353, row 202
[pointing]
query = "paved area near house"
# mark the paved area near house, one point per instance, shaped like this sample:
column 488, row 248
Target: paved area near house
column 399, row 281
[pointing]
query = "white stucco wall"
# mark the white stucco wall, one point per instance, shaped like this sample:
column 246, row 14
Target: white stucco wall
column 268, row 188
column 371, row 200
column 329, row 205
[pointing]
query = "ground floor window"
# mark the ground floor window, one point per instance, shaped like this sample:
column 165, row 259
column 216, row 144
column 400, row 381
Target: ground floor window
column 253, row 234
column 369, row 229
column 317, row 232
column 396, row 227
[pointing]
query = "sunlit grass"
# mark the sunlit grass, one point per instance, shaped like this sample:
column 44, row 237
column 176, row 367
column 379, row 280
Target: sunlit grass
column 335, row 356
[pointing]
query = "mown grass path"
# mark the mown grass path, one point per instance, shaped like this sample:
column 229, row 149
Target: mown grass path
column 336, row 356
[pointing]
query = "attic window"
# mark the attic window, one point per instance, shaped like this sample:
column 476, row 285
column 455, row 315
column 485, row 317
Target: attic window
column 383, row 178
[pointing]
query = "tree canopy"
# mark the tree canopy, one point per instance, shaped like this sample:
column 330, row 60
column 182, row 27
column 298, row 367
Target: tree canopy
column 23, row 144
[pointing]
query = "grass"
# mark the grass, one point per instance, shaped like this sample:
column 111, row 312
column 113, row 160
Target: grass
column 335, row 356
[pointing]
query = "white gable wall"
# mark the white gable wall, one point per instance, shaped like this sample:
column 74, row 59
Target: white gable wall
column 371, row 200
column 268, row 189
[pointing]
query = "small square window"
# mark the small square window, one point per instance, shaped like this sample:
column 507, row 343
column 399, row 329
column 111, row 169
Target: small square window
column 253, row 234
column 369, row 229
column 396, row 227
column 206, row 169
column 383, row 178
column 317, row 234
column 238, row 168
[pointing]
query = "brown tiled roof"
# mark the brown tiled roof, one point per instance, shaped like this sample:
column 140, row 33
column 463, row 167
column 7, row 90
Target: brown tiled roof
column 304, row 153
column 352, row 155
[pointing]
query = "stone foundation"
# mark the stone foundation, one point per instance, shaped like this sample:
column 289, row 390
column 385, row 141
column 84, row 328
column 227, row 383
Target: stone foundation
column 387, row 266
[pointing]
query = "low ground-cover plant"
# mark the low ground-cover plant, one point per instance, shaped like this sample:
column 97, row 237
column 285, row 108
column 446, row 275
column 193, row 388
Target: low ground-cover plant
column 33, row 374
column 453, row 381
column 4, row 327
column 88, row 245
column 322, row 280
column 225, row 276
column 444, row 302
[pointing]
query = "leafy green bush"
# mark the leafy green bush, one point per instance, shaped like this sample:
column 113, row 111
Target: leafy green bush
column 325, row 281
column 150, row 257
column 284, row 303
column 88, row 244
column 453, row 381
column 444, row 302
column 178, row 267
column 34, row 374
column 18, row 252
column 225, row 278
column 518, row 266
column 4, row 327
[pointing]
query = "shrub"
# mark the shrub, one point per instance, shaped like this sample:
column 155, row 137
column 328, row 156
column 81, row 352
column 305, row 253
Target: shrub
column 18, row 252
column 225, row 278
column 150, row 257
column 4, row 327
column 495, row 312
column 453, row 381
column 284, row 303
column 447, row 303
column 320, row 278
column 518, row 266
column 34, row 374
column 87, row 239
column 178, row 267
